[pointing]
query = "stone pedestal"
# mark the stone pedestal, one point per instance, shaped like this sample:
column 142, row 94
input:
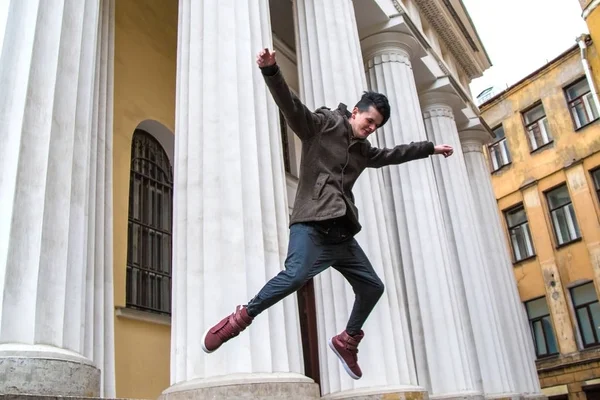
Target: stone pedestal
column 230, row 206
column 445, row 354
column 472, row 275
column 52, row 343
column 516, row 330
column 331, row 71
column 245, row 386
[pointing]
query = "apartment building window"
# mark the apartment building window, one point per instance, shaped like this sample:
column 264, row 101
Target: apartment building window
column 518, row 230
column 563, row 215
column 596, row 176
column 581, row 103
column 587, row 310
column 541, row 327
column 499, row 154
column 538, row 129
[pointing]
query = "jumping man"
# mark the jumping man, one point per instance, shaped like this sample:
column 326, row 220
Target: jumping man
column 335, row 151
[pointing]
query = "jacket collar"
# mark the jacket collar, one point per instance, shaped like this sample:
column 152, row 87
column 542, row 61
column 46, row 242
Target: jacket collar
column 343, row 109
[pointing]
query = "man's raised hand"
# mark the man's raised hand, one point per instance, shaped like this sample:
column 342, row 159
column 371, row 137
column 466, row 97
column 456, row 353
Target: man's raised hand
column 265, row 58
column 444, row 149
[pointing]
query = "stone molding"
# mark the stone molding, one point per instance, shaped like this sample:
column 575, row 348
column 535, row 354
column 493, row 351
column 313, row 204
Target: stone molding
column 437, row 110
column 444, row 25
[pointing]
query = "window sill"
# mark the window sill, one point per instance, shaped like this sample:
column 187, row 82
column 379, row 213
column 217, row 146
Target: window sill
column 145, row 316
column 581, row 128
column 548, row 357
column 542, row 147
column 524, row 260
column 591, row 348
column 560, row 246
column 501, row 168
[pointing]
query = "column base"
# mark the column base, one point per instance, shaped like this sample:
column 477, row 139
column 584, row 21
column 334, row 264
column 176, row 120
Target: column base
column 504, row 396
column 459, row 396
column 246, row 386
column 535, row 396
column 382, row 393
column 41, row 370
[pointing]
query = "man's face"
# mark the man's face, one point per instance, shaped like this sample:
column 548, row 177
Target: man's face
column 365, row 122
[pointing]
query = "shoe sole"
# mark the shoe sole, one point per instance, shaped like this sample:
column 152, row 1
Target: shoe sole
column 348, row 370
column 203, row 345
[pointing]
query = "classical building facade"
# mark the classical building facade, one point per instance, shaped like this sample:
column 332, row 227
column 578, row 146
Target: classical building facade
column 545, row 167
column 146, row 183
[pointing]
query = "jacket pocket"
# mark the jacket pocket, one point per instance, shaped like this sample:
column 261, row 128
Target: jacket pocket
column 319, row 185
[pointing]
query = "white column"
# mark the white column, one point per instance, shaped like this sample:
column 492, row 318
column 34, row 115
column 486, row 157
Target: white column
column 46, row 81
column 331, row 71
column 98, row 289
column 465, row 231
column 512, row 313
column 444, row 353
column 230, row 208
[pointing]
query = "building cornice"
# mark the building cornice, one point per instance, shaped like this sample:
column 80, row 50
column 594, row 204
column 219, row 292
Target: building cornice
column 549, row 66
column 447, row 26
column 590, row 8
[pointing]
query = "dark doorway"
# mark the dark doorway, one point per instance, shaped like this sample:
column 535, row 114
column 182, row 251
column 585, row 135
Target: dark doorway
column 592, row 392
column 308, row 331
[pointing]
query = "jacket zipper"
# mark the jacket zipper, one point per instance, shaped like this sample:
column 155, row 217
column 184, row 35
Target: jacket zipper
column 345, row 165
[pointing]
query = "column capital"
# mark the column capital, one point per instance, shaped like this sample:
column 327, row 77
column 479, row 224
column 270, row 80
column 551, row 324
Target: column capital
column 394, row 46
column 438, row 104
column 437, row 111
column 473, row 139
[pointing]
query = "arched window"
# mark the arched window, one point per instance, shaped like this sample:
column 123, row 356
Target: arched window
column 150, row 226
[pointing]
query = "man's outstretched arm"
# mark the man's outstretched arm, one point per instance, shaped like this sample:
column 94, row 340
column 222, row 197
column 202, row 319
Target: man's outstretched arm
column 405, row 152
column 303, row 122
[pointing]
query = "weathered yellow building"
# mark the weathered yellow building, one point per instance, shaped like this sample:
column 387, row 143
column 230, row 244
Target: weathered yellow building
column 545, row 166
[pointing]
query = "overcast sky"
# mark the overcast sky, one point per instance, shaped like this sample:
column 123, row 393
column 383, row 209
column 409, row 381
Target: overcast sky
column 521, row 35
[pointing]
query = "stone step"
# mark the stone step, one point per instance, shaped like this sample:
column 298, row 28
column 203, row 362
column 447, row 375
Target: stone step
column 38, row 397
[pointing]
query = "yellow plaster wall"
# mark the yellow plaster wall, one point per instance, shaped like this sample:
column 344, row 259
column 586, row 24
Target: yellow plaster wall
column 568, row 144
column 593, row 22
column 144, row 81
column 568, row 159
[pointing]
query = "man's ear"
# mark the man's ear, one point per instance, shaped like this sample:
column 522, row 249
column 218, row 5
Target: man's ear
column 355, row 111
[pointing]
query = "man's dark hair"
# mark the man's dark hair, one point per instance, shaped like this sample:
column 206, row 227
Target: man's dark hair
column 377, row 100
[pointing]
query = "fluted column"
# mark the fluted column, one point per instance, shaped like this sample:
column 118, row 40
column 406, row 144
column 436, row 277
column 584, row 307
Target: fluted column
column 512, row 314
column 331, row 71
column 98, row 279
column 230, row 207
column 465, row 231
column 47, row 85
column 444, row 353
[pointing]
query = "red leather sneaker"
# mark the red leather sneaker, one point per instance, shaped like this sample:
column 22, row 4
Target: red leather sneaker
column 346, row 348
column 228, row 328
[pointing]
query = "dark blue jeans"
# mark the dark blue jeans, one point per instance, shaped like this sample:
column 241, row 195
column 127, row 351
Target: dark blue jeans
column 312, row 249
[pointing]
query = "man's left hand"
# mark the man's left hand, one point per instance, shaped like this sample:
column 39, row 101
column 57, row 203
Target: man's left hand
column 444, row 149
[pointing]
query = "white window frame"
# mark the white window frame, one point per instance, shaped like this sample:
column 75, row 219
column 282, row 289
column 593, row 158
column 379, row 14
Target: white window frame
column 587, row 99
column 539, row 126
column 566, row 211
column 498, row 151
column 513, row 233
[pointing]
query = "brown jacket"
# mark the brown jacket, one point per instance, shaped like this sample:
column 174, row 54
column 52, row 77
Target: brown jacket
column 332, row 159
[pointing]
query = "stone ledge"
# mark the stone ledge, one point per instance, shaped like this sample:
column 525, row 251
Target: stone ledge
column 36, row 397
column 379, row 394
column 252, row 391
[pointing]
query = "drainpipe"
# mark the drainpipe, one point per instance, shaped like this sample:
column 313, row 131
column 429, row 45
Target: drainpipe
column 588, row 71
